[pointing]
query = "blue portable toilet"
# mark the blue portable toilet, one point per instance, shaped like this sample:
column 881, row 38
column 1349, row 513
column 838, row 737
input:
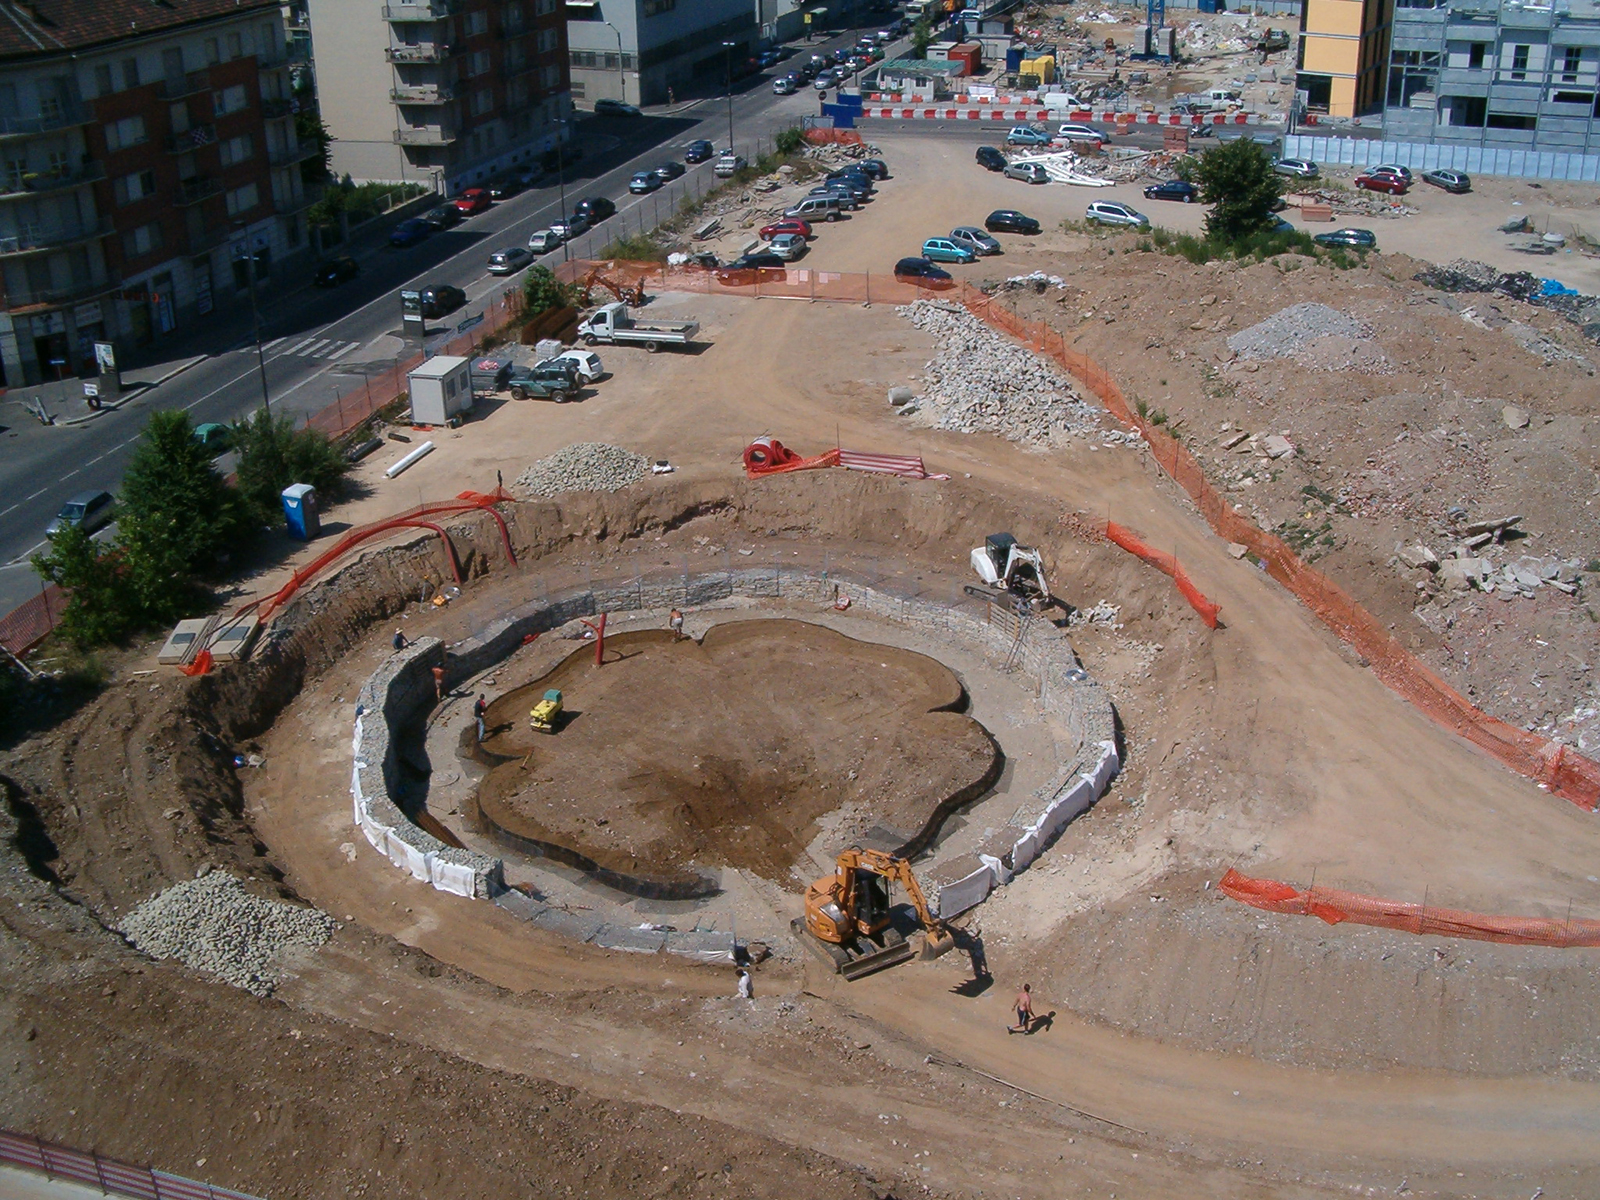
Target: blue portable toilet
column 1013, row 59
column 300, row 511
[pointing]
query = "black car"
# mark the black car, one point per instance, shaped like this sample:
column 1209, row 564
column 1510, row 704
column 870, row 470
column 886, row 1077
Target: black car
column 444, row 217
column 506, row 185
column 989, row 156
column 1362, row 239
column 670, row 170
column 763, row 265
column 1009, row 220
column 854, row 176
column 874, row 167
column 1172, row 189
column 698, row 151
column 595, row 208
column 441, row 298
column 336, row 271
column 569, row 153
column 409, row 232
column 923, row 273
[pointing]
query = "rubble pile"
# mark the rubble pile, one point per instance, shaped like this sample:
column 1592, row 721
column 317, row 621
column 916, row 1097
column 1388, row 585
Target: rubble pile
column 583, row 467
column 1316, row 337
column 1464, row 275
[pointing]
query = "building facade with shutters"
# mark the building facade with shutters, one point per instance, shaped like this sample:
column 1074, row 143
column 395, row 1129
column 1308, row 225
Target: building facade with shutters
column 643, row 51
column 446, row 93
column 147, row 155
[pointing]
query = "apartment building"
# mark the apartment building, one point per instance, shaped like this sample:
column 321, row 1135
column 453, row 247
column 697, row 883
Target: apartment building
column 1522, row 76
column 1344, row 47
column 639, row 50
column 147, row 154
column 442, row 92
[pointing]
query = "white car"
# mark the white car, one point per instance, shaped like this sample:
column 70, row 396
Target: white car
column 1109, row 212
column 1392, row 169
column 588, row 363
column 1073, row 132
column 785, row 85
column 542, row 241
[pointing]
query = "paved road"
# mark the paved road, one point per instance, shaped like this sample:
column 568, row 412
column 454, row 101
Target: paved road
column 322, row 344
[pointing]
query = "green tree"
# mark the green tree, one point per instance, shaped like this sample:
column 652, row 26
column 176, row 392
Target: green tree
column 543, row 291
column 273, row 455
column 100, row 607
column 310, row 130
column 921, row 35
column 1237, row 180
column 788, row 141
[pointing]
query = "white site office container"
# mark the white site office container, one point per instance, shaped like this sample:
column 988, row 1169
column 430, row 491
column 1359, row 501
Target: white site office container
column 440, row 388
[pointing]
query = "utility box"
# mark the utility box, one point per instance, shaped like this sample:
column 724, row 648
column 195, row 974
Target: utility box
column 440, row 388
column 300, row 511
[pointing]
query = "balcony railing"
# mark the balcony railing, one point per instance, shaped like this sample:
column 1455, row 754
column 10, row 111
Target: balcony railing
column 35, row 241
column 193, row 191
column 60, row 297
column 427, row 135
column 429, row 52
column 63, row 116
column 422, row 94
column 27, row 184
column 274, row 107
column 178, row 86
column 191, row 139
column 420, row 10
column 289, row 155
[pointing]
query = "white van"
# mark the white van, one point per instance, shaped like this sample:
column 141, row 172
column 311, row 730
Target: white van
column 1222, row 95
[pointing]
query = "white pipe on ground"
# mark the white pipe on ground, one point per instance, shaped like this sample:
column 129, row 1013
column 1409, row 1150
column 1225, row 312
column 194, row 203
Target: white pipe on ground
column 424, row 449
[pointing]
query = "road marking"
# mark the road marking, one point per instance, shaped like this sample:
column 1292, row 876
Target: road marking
column 274, row 342
column 295, row 349
column 36, row 495
column 349, row 346
column 311, row 350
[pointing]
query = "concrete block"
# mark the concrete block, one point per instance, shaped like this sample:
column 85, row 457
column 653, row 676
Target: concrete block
column 634, row 941
column 567, row 925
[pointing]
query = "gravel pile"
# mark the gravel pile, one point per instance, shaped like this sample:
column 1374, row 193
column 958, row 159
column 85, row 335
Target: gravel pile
column 981, row 382
column 212, row 924
column 583, row 467
column 1315, row 336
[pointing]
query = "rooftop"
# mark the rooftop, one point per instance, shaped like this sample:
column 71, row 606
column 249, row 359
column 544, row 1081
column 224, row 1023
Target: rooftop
column 921, row 66
column 48, row 27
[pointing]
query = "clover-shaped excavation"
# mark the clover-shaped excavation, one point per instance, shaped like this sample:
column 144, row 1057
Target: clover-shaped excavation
column 735, row 750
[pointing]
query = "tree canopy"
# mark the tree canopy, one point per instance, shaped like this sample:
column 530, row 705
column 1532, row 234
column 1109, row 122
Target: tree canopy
column 1237, row 179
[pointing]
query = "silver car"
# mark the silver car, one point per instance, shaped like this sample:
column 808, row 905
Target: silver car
column 509, row 261
column 1027, row 172
column 788, row 246
column 87, row 510
column 1301, row 168
column 1109, row 212
column 542, row 241
column 974, row 239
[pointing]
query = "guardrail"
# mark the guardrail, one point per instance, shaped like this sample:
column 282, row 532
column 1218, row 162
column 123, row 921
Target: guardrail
column 110, row 1175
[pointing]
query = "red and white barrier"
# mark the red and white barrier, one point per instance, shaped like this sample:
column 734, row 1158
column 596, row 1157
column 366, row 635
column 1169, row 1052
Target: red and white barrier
column 1117, row 120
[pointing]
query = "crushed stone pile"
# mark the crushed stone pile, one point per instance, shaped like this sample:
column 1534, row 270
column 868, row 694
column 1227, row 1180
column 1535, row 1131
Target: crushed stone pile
column 1315, row 336
column 212, row 924
column 583, row 467
column 1465, row 275
column 981, row 382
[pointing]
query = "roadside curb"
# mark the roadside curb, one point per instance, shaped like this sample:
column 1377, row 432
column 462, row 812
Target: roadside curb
column 141, row 387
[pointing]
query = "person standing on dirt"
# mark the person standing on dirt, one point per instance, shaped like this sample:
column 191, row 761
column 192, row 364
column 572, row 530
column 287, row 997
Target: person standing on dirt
column 480, row 708
column 438, row 683
column 399, row 640
column 1024, row 1011
column 747, row 987
column 675, row 623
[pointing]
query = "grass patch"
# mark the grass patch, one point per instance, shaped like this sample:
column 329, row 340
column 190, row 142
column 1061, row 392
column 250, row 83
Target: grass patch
column 637, row 247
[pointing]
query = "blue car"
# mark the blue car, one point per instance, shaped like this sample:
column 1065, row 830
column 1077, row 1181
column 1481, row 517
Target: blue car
column 943, row 249
column 1021, row 135
column 409, row 233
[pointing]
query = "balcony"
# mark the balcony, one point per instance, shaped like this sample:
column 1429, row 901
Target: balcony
column 274, row 107
column 38, row 184
column 426, row 135
column 20, row 302
column 425, row 93
column 63, row 116
column 193, row 191
column 191, row 139
column 39, row 241
column 420, row 10
column 430, row 52
column 287, row 156
column 179, row 86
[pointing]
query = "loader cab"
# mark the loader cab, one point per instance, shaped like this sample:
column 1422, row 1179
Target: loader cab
column 998, row 546
column 872, row 901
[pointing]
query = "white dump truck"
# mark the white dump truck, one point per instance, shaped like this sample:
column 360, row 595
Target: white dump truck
column 612, row 323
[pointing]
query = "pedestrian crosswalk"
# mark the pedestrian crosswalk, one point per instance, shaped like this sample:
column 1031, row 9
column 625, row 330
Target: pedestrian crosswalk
column 309, row 347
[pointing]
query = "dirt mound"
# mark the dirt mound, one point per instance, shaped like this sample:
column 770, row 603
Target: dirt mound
column 729, row 751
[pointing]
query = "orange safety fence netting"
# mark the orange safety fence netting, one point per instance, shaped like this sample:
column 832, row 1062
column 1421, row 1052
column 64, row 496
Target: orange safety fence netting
column 1168, row 564
column 1564, row 771
column 1334, row 906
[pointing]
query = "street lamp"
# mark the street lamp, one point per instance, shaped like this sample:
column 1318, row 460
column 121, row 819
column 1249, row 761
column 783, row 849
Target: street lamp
column 622, row 75
column 561, row 182
column 727, row 54
column 255, row 316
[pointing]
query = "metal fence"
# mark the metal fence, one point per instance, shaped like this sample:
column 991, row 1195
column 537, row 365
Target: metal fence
column 111, row 1176
column 1431, row 156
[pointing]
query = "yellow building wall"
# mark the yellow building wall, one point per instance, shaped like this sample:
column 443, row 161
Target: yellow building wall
column 1334, row 16
column 1342, row 99
column 1332, row 56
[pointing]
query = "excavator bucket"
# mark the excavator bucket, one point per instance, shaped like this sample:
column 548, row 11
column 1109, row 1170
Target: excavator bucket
column 936, row 943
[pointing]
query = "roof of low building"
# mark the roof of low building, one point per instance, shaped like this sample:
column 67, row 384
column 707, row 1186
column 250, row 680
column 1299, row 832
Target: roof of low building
column 48, row 27
column 923, row 66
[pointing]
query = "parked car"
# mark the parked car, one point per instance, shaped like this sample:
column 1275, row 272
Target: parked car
column 569, row 227
column 1022, row 135
column 842, row 196
column 1009, row 220
column 87, row 510
column 507, row 185
column 542, row 241
column 767, row 58
column 1360, row 238
column 588, row 368
column 1391, row 169
column 1450, row 181
column 1300, row 168
column 874, row 167
column 1109, row 212
column 922, row 273
column 762, row 266
column 336, row 271
column 815, row 208
column 990, row 157
column 1027, row 172
column 509, row 261
column 441, row 298
column 213, row 437
column 644, row 182
column 595, row 209
column 785, row 85
column 974, row 239
column 728, row 163
column 855, row 176
column 606, row 107
column 788, row 246
column 1173, row 189
column 943, row 249
column 1395, row 185
column 446, row 216
column 787, row 225
column 561, row 156
column 670, row 170
column 409, row 232
column 698, row 151
column 825, row 79
column 1074, row 132
column 473, row 200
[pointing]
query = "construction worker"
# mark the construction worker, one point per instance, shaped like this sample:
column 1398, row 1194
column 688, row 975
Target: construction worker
column 399, row 640
column 480, row 707
column 675, row 623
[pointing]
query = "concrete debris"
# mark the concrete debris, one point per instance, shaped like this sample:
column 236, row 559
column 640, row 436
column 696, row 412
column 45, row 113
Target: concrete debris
column 1419, row 557
column 1497, row 526
column 212, row 924
column 1232, row 440
column 1037, row 280
column 1237, row 549
column 1465, row 275
column 1514, row 417
column 1315, row 336
column 583, row 467
column 1462, row 574
column 982, row 382
column 1277, row 446
column 900, row 395
column 1104, row 613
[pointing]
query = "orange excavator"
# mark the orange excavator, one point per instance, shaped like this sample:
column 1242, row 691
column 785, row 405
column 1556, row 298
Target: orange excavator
column 632, row 294
column 849, row 919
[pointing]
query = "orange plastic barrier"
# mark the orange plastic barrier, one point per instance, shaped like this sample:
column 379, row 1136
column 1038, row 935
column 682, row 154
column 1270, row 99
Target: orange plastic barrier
column 1334, row 906
column 1167, row 564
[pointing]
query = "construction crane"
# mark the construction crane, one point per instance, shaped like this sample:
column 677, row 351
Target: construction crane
column 629, row 294
column 848, row 915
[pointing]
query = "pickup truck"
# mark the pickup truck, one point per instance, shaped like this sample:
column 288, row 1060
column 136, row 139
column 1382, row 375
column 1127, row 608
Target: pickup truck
column 554, row 379
column 613, row 324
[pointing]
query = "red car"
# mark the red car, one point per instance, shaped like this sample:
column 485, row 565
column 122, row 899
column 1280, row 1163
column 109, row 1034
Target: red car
column 1393, row 184
column 473, row 200
column 791, row 225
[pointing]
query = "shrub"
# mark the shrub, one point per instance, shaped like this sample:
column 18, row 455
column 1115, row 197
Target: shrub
column 273, row 455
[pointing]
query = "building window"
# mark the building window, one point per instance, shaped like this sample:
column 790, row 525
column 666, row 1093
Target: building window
column 1570, row 64
column 130, row 72
column 14, row 170
column 242, row 199
column 477, row 22
column 1511, row 121
column 236, row 150
column 102, row 80
column 482, row 101
column 551, row 77
column 235, row 46
column 652, row 8
column 585, row 58
column 135, row 187
column 1519, row 62
column 513, row 18
column 1475, row 55
column 479, row 64
column 1573, row 98
column 229, row 100
column 141, row 241
column 124, row 133
column 544, row 7
column 213, row 52
column 547, row 40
